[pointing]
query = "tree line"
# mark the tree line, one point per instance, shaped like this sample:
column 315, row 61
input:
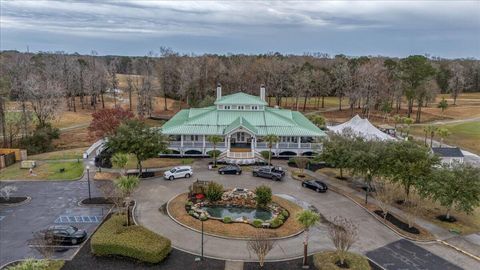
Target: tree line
column 46, row 83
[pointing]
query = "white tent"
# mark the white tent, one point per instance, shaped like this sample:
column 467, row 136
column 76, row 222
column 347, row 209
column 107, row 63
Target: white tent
column 363, row 128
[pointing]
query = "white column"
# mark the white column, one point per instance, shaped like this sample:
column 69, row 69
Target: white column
column 299, row 142
column 181, row 141
column 252, row 143
column 203, row 141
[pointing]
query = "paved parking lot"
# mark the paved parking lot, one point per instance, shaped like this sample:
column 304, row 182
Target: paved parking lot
column 52, row 202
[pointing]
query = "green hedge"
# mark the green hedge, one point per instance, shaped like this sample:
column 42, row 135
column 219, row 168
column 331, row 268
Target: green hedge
column 326, row 261
column 113, row 238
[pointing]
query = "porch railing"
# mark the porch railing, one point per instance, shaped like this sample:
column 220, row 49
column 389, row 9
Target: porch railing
column 240, row 155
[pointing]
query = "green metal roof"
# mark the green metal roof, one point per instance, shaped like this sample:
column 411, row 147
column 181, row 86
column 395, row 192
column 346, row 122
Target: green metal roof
column 238, row 123
column 240, row 99
column 210, row 121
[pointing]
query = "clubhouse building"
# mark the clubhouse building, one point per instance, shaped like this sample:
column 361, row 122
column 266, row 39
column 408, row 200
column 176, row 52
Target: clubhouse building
column 242, row 120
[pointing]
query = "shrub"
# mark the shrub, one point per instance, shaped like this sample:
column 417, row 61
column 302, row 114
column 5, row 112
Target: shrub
column 281, row 217
column 276, row 222
column 189, row 204
column 211, row 152
column 113, row 238
column 227, row 220
column 285, row 213
column 214, row 191
column 327, row 259
column 30, row 264
column 257, row 223
column 265, row 154
column 263, row 195
column 41, row 139
column 203, row 217
column 191, row 212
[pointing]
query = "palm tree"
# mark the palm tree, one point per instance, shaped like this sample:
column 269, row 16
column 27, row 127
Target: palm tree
column 443, row 133
column 408, row 121
column 127, row 184
column 270, row 139
column 431, row 129
column 307, row 219
column 397, row 119
column 120, row 160
column 214, row 139
column 443, row 104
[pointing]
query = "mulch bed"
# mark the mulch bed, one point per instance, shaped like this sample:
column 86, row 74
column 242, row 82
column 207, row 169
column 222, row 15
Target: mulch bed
column 97, row 200
column 398, row 223
column 12, row 200
column 293, row 264
column 290, row 265
column 176, row 260
column 444, row 218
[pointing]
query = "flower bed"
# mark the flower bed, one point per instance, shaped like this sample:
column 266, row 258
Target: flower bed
column 238, row 200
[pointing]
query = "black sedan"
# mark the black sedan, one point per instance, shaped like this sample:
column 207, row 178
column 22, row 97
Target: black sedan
column 316, row 185
column 65, row 235
column 230, row 169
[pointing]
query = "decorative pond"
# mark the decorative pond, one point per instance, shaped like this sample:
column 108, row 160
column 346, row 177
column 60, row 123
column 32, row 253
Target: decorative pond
column 237, row 205
column 237, row 212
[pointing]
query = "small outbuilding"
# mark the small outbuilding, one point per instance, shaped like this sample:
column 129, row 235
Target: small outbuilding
column 449, row 154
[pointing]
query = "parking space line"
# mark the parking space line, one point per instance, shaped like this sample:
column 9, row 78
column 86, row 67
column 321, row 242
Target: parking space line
column 78, row 219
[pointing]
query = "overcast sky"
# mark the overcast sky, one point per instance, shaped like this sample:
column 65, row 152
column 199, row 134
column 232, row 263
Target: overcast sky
column 394, row 28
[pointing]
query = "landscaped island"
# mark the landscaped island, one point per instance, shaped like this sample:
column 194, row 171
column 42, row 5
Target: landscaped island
column 235, row 212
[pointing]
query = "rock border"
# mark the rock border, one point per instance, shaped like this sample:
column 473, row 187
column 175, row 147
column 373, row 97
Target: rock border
column 216, row 235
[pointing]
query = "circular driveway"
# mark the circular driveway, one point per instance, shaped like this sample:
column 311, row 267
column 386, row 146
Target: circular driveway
column 152, row 194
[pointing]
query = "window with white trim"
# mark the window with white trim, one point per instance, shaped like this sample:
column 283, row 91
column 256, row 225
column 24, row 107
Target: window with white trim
column 227, row 107
column 241, row 107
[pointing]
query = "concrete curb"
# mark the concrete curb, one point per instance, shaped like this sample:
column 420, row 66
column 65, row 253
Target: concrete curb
column 16, row 204
column 459, row 249
column 221, row 236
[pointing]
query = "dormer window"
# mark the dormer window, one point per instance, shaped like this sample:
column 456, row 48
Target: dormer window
column 241, row 107
column 254, row 107
column 227, row 107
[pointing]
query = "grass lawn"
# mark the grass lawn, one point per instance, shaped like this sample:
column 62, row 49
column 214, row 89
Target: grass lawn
column 159, row 162
column 76, row 153
column 465, row 135
column 44, row 171
column 177, row 209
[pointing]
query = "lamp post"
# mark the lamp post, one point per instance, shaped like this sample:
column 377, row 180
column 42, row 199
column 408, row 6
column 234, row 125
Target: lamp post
column 201, row 219
column 88, row 180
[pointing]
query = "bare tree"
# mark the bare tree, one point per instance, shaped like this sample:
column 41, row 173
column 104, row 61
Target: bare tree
column 7, row 191
column 385, row 194
column 344, row 233
column 457, row 81
column 261, row 244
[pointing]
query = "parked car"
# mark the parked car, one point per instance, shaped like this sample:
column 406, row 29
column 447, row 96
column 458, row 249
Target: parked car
column 230, row 169
column 272, row 172
column 178, row 172
column 316, row 185
column 65, row 235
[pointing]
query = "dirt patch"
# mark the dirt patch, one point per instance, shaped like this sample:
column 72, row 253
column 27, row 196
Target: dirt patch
column 106, row 176
column 177, row 209
column 398, row 223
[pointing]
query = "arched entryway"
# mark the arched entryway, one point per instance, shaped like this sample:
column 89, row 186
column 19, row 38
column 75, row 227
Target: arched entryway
column 241, row 141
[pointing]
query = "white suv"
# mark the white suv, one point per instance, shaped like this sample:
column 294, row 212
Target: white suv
column 178, row 172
